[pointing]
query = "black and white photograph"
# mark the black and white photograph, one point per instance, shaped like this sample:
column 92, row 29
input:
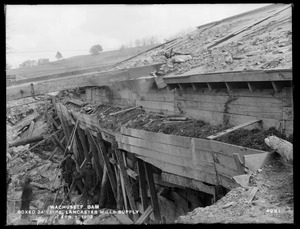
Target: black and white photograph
column 149, row 114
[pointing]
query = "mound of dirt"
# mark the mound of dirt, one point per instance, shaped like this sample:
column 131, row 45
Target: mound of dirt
column 159, row 123
column 253, row 138
column 272, row 203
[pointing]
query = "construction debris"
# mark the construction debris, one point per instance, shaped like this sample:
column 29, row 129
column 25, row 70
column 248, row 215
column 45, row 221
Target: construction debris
column 283, row 147
column 267, row 199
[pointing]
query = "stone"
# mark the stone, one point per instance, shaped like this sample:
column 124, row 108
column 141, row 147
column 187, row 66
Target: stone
column 181, row 58
column 229, row 60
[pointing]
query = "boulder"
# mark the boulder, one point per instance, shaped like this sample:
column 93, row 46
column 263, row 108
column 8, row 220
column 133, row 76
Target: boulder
column 181, row 58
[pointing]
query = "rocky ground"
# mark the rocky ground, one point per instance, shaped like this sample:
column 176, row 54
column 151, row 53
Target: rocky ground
column 272, row 203
column 266, row 45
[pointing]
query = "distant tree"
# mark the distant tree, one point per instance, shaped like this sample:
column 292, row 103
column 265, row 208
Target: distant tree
column 58, row 55
column 122, row 47
column 96, row 49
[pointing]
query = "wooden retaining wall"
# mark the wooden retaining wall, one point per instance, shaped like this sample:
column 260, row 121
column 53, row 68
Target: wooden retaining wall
column 232, row 107
column 207, row 161
column 140, row 164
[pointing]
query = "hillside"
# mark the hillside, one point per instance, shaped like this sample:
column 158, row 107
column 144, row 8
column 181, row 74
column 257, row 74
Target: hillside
column 256, row 40
column 78, row 62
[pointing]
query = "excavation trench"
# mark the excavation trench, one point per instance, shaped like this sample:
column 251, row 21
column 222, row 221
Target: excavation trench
column 130, row 154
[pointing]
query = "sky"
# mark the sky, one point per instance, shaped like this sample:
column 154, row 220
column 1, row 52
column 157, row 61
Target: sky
column 39, row 31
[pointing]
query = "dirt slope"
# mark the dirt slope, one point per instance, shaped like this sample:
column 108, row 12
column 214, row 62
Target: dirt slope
column 272, row 203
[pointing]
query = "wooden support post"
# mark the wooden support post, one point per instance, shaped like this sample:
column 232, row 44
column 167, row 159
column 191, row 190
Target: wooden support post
column 194, row 86
column 82, row 138
column 104, row 186
column 181, row 86
column 62, row 121
column 79, row 148
column 210, row 87
column 251, row 86
column 99, row 163
column 276, row 85
column 229, row 87
column 128, row 186
column 102, row 151
column 154, row 199
column 123, row 191
column 142, row 184
column 69, row 131
column 120, row 202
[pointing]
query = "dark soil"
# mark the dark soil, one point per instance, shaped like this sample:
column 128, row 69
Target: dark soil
column 159, row 123
column 253, row 138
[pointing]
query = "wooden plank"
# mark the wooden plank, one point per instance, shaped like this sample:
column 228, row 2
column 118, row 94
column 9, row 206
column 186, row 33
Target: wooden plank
column 250, row 76
column 180, row 170
column 256, row 101
column 188, row 163
column 217, row 118
column 128, row 186
column 82, row 138
column 123, row 191
column 144, row 216
column 224, row 132
column 187, row 183
column 120, row 200
column 102, row 151
column 238, row 92
column 268, row 111
column 156, row 105
column 122, row 111
column 142, row 184
column 223, row 148
column 104, row 187
column 147, row 143
column 51, row 120
column 154, row 199
column 157, row 137
column 25, row 141
column 99, row 163
column 62, row 121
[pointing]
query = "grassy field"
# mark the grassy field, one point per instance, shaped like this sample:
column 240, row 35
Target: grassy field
column 77, row 62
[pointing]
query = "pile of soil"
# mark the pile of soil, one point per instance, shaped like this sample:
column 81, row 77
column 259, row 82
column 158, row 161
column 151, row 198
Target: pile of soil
column 272, row 203
column 160, row 123
column 253, row 138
